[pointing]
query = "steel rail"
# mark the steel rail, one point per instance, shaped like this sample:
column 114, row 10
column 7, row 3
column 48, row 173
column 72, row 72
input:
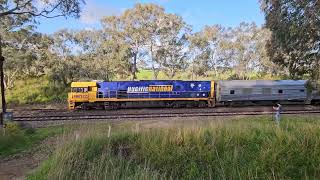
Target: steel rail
column 148, row 116
column 104, row 113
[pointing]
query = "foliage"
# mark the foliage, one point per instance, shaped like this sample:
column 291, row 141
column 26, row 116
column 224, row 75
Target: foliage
column 36, row 90
column 146, row 37
column 26, row 52
column 295, row 35
column 150, row 34
column 29, row 9
column 242, row 149
column 14, row 139
column 241, row 49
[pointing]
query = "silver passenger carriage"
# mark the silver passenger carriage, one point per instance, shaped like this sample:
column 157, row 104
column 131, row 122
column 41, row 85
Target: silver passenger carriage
column 258, row 91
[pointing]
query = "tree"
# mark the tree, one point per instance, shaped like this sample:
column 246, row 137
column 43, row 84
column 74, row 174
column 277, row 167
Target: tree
column 294, row 42
column 44, row 8
column 16, row 13
column 26, row 55
column 128, row 29
column 86, row 55
column 151, row 17
column 204, row 48
column 145, row 28
column 172, row 51
column 242, row 49
column 103, row 57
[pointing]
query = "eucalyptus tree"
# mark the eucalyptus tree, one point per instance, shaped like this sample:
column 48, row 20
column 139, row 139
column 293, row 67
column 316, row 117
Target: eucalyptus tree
column 243, row 49
column 151, row 18
column 204, row 47
column 16, row 13
column 103, row 57
column 128, row 29
column 44, row 8
column 243, row 54
column 26, row 55
column 240, row 49
column 145, row 29
column 173, row 50
column 86, row 55
column 63, row 65
column 294, row 43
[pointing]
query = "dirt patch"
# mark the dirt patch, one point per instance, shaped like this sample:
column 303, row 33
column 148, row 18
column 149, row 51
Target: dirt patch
column 17, row 166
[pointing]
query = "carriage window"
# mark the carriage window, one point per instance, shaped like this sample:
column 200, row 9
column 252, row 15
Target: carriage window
column 266, row 90
column 231, row 91
column 246, row 91
column 280, row 91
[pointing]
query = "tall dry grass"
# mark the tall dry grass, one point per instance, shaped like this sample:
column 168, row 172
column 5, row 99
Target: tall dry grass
column 251, row 148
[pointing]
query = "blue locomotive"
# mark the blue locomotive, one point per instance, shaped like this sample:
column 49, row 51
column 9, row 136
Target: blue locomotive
column 168, row 93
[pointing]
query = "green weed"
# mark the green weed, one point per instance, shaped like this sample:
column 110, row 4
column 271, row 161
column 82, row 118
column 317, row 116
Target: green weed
column 15, row 139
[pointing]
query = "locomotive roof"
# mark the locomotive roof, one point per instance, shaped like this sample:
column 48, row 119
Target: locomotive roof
column 263, row 83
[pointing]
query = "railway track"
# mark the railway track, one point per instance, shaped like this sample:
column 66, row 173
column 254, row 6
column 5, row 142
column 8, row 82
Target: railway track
column 81, row 117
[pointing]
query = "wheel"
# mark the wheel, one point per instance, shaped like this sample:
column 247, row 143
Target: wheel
column 202, row 104
column 114, row 106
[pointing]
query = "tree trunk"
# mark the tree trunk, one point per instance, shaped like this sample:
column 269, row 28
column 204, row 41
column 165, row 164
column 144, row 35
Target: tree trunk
column 155, row 71
column 3, row 98
column 134, row 68
column 172, row 74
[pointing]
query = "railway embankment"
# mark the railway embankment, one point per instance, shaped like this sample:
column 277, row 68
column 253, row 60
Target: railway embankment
column 163, row 148
column 246, row 147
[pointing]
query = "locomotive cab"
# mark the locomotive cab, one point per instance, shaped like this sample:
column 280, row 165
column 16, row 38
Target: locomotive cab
column 81, row 93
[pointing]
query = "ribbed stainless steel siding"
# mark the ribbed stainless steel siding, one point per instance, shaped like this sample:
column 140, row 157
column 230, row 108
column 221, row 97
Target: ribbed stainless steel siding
column 292, row 90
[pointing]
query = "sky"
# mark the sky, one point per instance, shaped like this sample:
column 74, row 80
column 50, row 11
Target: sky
column 197, row 13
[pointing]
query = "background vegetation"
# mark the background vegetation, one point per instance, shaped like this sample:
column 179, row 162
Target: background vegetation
column 146, row 42
column 244, row 148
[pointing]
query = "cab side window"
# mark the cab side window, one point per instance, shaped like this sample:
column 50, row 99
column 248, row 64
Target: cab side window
column 79, row 90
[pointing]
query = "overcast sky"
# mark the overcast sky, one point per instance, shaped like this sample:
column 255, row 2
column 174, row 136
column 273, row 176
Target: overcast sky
column 197, row 13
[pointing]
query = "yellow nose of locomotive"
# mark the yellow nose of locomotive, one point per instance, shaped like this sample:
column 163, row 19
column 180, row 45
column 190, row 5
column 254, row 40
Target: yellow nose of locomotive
column 81, row 92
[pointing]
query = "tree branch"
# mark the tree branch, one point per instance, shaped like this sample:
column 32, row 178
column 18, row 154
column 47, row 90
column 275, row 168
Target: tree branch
column 17, row 7
column 43, row 13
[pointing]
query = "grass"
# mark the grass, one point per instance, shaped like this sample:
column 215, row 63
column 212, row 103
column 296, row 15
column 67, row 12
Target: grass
column 35, row 90
column 251, row 148
column 15, row 139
